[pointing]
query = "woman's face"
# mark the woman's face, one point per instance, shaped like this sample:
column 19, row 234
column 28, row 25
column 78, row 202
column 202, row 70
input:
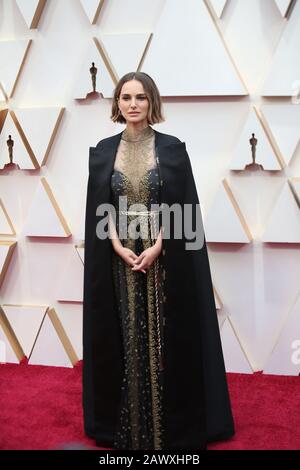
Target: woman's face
column 133, row 99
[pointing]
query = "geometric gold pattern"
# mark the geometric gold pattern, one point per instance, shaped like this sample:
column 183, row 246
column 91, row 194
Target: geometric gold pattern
column 284, row 70
column 267, row 154
column 2, row 95
column 218, row 301
column 70, row 316
column 80, row 251
column 283, row 225
column 218, row 6
column 105, row 79
column 37, row 128
column 6, row 252
column 31, row 11
column 33, row 132
column 45, row 218
column 52, row 336
column 13, row 350
column 6, row 226
column 283, row 126
column 235, row 357
column 295, row 188
column 25, row 321
column 21, row 156
column 71, row 279
column 187, row 46
column 92, row 9
column 12, row 59
column 283, row 6
column 225, row 222
column 125, row 50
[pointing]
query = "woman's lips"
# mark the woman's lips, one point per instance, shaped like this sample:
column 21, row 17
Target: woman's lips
column 133, row 113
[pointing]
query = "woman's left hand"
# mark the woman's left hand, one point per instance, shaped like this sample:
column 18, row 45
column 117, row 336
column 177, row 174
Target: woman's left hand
column 146, row 258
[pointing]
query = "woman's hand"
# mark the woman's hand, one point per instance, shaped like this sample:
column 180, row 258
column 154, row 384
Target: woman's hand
column 146, row 258
column 127, row 255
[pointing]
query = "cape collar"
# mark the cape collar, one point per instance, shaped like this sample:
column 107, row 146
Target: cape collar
column 161, row 140
column 165, row 147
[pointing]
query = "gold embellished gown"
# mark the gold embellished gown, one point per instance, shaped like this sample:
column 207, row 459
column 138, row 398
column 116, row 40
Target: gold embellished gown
column 139, row 295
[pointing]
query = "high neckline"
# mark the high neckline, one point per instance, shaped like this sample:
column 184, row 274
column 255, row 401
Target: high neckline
column 137, row 136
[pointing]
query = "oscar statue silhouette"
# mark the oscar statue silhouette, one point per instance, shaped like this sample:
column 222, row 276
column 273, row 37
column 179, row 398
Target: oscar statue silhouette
column 253, row 166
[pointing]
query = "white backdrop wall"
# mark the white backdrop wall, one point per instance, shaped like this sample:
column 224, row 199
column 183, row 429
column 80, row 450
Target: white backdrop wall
column 221, row 78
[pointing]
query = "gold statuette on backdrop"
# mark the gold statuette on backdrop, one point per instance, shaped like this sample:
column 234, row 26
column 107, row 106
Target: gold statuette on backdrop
column 93, row 72
column 10, row 145
column 93, row 76
column 253, row 166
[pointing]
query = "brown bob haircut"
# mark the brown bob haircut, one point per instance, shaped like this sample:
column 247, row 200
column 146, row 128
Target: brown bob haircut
column 151, row 91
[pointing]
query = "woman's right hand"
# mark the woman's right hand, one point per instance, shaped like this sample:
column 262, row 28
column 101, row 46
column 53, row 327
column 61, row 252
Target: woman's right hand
column 128, row 256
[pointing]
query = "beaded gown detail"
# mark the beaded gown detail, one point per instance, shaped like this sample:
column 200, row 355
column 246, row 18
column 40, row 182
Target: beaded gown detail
column 139, row 295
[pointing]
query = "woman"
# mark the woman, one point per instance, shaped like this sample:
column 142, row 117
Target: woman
column 153, row 369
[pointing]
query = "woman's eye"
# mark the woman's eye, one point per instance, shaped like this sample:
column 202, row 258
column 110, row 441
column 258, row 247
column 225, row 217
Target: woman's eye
column 139, row 98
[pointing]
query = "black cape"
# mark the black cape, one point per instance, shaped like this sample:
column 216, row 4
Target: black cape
column 195, row 400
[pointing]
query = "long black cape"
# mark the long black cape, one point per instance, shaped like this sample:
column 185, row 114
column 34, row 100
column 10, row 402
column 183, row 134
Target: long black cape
column 196, row 401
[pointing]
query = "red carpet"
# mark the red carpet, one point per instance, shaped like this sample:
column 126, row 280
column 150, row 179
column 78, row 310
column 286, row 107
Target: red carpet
column 41, row 409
